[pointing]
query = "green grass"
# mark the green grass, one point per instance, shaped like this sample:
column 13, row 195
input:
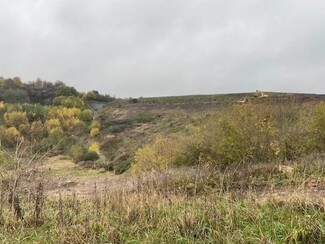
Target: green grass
column 179, row 208
column 153, row 217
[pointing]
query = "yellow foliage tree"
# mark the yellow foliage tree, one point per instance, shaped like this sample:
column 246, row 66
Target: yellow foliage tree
column 69, row 117
column 95, row 124
column 94, row 132
column 12, row 136
column 37, row 130
column 158, row 156
column 15, row 118
column 94, row 147
column 51, row 124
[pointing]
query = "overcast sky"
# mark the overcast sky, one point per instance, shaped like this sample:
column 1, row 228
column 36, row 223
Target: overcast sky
column 166, row 47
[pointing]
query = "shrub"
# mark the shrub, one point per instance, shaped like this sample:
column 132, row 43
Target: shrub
column 91, row 156
column 51, row 124
column 318, row 126
column 10, row 136
column 15, row 118
column 94, row 132
column 34, row 111
column 86, row 115
column 247, row 133
column 122, row 167
column 237, row 135
column 94, row 147
column 15, row 96
column 37, row 130
column 56, row 139
column 95, row 124
column 63, row 90
column 144, row 117
column 159, row 155
column 68, row 101
column 78, row 152
column 4, row 159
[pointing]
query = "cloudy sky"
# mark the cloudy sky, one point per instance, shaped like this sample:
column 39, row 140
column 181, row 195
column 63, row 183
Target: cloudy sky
column 166, row 47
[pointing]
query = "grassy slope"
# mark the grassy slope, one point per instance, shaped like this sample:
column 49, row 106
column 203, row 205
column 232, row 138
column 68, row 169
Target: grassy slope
column 127, row 126
column 247, row 205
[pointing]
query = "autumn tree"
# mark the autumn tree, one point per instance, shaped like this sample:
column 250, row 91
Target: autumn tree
column 64, row 90
column 15, row 118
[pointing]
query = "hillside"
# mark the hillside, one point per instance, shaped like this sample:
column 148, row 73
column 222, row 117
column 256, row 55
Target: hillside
column 127, row 125
column 229, row 168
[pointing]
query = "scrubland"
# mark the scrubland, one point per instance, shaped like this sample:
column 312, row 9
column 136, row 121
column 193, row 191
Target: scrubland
column 189, row 170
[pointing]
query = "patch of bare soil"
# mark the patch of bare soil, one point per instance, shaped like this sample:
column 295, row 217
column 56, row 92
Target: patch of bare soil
column 84, row 187
column 306, row 192
column 57, row 163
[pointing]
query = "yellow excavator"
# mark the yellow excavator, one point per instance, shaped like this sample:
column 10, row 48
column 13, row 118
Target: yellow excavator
column 261, row 94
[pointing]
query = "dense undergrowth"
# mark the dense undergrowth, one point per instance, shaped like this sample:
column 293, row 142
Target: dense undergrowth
column 239, row 135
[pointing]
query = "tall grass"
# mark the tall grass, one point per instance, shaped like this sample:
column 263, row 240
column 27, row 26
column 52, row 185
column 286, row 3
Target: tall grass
column 165, row 208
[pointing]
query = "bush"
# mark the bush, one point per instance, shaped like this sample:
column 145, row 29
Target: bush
column 68, row 101
column 15, row 118
column 56, row 139
column 86, row 115
column 318, row 127
column 15, row 96
column 238, row 135
column 160, row 155
column 91, row 156
column 94, row 132
column 78, row 152
column 94, row 147
column 246, row 134
column 63, row 90
column 4, row 159
column 122, row 167
column 144, row 117
column 10, row 137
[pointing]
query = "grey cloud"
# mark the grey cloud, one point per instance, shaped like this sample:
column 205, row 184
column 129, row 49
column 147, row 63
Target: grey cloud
column 166, row 47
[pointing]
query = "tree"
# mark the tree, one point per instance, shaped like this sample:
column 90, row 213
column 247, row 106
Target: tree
column 41, row 92
column 37, row 131
column 15, row 118
column 34, row 112
column 2, row 80
column 15, row 95
column 10, row 137
column 68, row 101
column 64, row 90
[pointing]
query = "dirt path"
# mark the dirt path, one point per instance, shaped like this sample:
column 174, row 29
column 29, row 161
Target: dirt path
column 83, row 187
column 94, row 182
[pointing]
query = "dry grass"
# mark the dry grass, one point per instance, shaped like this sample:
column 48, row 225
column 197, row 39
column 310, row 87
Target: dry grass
column 189, row 205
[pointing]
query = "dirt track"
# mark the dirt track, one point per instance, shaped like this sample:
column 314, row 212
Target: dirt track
column 106, row 183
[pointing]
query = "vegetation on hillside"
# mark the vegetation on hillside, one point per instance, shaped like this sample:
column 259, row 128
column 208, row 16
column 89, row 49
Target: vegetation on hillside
column 239, row 135
column 233, row 173
column 46, row 116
